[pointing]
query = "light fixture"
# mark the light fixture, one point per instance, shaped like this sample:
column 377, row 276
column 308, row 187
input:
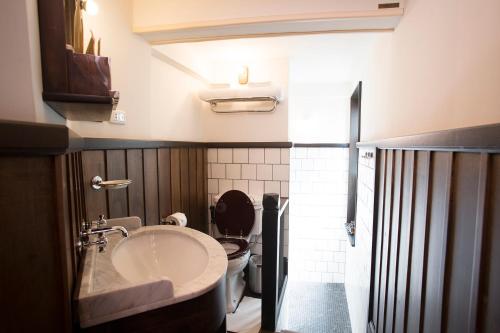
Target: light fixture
column 243, row 75
column 90, row 6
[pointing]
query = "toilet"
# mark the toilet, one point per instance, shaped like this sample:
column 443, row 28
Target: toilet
column 238, row 217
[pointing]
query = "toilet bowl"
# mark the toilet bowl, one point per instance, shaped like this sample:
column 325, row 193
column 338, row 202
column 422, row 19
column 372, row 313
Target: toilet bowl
column 238, row 217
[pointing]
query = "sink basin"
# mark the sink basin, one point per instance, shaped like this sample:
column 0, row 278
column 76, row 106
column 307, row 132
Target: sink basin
column 156, row 266
column 160, row 254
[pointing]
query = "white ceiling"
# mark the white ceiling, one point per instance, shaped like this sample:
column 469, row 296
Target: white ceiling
column 312, row 58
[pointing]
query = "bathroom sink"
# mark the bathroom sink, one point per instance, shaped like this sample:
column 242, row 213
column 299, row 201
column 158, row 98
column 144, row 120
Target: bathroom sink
column 160, row 254
column 154, row 267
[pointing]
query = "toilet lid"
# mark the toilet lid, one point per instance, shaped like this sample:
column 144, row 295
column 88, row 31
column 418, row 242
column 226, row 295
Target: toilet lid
column 234, row 214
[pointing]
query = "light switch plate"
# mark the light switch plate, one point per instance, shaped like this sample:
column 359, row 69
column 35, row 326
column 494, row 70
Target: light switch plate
column 118, row 117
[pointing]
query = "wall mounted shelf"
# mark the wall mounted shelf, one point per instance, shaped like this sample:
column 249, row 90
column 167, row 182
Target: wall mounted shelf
column 75, row 85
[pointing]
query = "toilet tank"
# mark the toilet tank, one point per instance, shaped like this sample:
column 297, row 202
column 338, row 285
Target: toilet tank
column 257, row 205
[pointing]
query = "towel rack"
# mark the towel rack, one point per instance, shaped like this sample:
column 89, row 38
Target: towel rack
column 215, row 102
column 98, row 183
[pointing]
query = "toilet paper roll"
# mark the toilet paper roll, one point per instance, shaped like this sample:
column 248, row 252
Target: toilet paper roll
column 176, row 219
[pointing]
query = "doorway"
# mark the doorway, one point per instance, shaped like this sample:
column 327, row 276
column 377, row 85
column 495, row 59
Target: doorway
column 323, row 186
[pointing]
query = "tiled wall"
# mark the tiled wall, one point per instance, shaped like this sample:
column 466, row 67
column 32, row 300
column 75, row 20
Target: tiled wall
column 318, row 209
column 358, row 258
column 252, row 170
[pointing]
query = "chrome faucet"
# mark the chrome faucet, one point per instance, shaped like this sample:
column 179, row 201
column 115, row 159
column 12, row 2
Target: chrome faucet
column 101, row 240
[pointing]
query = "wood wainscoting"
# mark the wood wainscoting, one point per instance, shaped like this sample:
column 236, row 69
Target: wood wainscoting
column 436, row 239
column 35, row 293
column 164, row 181
column 45, row 172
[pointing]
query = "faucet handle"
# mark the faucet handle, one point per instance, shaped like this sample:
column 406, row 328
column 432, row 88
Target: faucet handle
column 101, row 222
column 84, row 226
column 101, row 242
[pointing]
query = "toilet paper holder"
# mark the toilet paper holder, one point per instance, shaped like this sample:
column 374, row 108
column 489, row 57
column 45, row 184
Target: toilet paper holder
column 165, row 221
column 174, row 219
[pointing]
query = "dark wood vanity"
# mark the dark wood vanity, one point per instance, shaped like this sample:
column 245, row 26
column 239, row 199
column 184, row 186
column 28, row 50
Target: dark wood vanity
column 206, row 313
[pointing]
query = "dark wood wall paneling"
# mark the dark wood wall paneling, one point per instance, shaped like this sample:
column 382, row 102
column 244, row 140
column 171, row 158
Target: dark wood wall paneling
column 165, row 181
column 436, row 240
column 35, row 296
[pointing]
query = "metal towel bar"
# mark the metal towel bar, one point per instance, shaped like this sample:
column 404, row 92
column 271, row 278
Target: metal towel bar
column 98, row 183
column 215, row 102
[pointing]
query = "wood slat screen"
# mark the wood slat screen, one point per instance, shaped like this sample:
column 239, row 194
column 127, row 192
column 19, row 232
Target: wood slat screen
column 436, row 235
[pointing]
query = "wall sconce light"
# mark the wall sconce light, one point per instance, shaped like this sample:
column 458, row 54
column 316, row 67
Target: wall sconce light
column 243, row 75
column 90, row 6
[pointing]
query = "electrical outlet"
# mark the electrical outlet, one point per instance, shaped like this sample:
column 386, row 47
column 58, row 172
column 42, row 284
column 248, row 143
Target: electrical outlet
column 118, row 117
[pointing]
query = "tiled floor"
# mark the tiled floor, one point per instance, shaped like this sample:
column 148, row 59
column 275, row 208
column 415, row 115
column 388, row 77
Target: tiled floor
column 311, row 307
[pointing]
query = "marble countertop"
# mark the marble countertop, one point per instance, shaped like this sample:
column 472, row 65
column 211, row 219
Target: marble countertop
column 104, row 295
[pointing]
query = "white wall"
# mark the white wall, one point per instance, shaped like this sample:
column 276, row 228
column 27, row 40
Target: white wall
column 176, row 110
column 317, row 114
column 266, row 126
column 20, row 79
column 150, row 13
column 220, row 62
column 440, row 69
column 130, row 71
column 318, row 74
column 158, row 98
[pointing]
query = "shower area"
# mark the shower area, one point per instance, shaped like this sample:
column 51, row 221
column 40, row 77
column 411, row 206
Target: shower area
column 319, row 177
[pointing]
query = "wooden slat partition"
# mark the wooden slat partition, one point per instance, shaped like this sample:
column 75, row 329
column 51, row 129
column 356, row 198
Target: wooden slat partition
column 436, row 234
column 165, row 180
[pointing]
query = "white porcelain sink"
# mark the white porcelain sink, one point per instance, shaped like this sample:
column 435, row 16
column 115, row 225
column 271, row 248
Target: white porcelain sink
column 160, row 254
column 154, row 267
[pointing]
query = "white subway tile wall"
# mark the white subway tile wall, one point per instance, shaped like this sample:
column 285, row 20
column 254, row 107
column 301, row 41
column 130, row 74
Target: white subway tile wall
column 249, row 171
column 256, row 155
column 233, row 171
column 264, row 172
column 318, row 209
column 240, row 155
column 225, row 155
column 252, row 170
column 358, row 258
column 272, row 156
